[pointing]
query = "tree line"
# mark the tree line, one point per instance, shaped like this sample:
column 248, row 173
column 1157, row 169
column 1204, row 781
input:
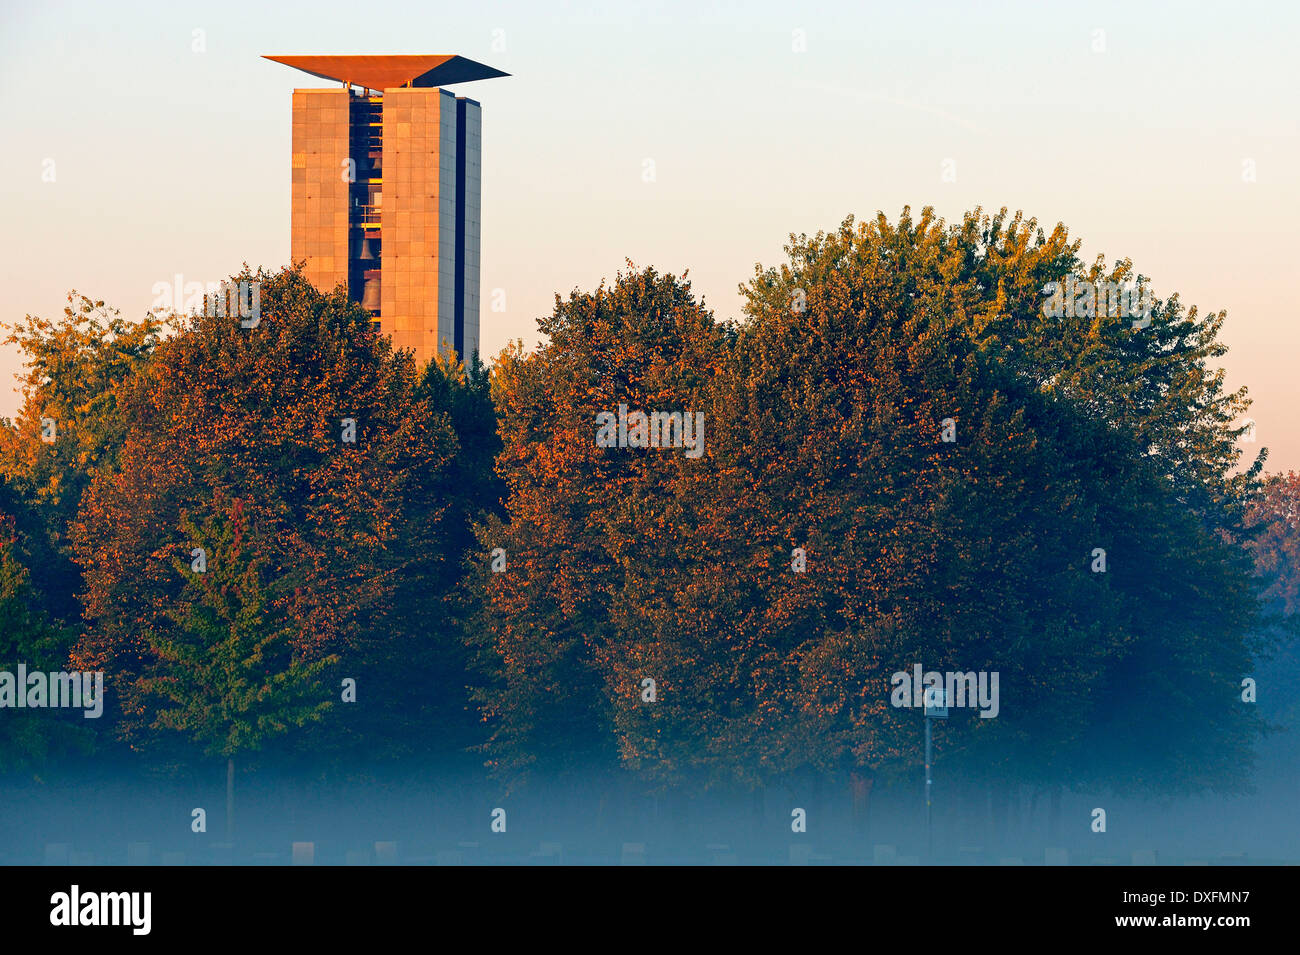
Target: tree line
column 292, row 543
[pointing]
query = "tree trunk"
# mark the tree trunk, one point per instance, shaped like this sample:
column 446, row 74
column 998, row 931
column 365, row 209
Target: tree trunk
column 230, row 799
column 999, row 806
column 680, row 812
column 861, row 785
column 1012, row 827
column 1004, row 815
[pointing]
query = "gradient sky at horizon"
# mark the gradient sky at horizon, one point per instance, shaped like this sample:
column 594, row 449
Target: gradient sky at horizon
column 174, row 162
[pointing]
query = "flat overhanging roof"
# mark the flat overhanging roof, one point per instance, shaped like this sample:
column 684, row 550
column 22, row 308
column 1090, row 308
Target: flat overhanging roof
column 381, row 72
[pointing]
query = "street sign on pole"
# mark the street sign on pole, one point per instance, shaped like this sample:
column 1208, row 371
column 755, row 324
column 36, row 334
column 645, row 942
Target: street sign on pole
column 936, row 703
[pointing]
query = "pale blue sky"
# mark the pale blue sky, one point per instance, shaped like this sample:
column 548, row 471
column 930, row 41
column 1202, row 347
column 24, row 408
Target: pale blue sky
column 169, row 161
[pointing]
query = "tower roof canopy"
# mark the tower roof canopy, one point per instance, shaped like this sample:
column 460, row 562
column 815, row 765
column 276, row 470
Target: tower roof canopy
column 381, row 72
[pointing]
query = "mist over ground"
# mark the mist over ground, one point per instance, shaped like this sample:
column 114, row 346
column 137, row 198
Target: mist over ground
column 102, row 816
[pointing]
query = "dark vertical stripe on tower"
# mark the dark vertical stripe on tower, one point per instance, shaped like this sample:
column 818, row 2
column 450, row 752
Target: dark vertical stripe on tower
column 458, row 315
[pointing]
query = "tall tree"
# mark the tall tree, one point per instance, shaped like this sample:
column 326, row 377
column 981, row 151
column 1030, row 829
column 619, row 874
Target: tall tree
column 223, row 672
column 321, row 432
column 1068, row 438
column 584, row 523
column 70, row 425
column 29, row 738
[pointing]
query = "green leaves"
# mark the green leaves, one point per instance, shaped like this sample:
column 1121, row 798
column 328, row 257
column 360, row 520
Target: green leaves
column 29, row 737
column 225, row 672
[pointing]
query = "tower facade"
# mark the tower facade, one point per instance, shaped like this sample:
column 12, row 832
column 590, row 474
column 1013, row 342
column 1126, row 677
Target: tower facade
column 387, row 193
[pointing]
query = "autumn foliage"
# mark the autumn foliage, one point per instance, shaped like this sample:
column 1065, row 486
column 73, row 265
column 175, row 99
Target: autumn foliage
column 825, row 412
column 235, row 446
column 905, row 461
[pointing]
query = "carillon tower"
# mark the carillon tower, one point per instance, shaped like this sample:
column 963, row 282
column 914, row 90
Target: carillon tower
column 386, row 192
